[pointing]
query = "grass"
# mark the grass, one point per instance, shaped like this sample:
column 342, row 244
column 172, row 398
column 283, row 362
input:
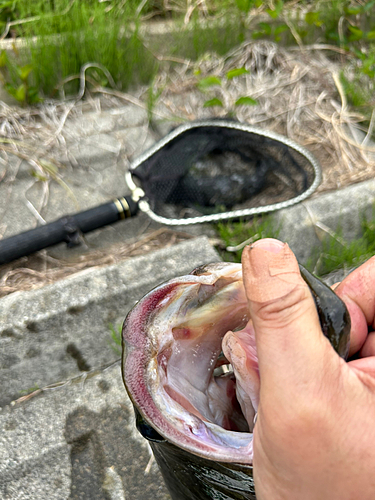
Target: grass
column 358, row 92
column 99, row 31
column 334, row 253
column 115, row 342
column 87, row 34
column 72, row 34
column 337, row 253
column 93, row 31
column 30, row 389
column 233, row 234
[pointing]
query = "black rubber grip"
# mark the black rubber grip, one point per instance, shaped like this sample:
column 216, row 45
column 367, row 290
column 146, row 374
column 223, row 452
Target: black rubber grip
column 66, row 229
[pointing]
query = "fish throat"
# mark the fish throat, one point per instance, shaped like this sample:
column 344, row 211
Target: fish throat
column 192, row 368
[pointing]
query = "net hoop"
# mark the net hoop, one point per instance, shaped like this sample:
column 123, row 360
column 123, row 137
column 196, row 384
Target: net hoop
column 138, row 194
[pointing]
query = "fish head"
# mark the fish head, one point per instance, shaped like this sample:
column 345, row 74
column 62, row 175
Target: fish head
column 173, row 366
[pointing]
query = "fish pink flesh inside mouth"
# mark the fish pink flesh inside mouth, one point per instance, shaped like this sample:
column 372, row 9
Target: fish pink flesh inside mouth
column 187, row 332
column 240, row 350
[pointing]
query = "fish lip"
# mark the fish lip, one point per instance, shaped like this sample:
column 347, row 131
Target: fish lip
column 137, row 349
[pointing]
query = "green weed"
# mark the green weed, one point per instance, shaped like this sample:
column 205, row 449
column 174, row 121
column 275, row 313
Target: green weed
column 234, row 233
column 358, row 91
column 115, row 341
column 16, row 80
column 337, row 253
column 332, row 254
column 209, row 83
column 29, row 390
column 72, row 33
column 88, row 35
column 153, row 95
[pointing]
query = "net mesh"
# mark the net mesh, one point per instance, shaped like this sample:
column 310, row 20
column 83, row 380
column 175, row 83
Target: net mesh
column 220, row 167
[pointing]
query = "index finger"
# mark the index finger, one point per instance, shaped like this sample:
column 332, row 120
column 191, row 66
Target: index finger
column 357, row 290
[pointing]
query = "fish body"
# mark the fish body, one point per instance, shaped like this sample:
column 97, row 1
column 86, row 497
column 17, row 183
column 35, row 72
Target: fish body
column 184, row 393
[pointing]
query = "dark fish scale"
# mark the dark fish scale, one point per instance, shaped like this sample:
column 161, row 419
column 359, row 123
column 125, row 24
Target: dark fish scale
column 333, row 314
column 189, row 477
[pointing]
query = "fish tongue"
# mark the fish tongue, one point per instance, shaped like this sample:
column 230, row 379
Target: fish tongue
column 239, row 348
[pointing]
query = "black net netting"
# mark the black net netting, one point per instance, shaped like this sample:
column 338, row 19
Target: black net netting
column 222, row 166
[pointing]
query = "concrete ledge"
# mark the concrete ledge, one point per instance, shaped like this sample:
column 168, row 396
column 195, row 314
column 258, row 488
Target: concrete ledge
column 301, row 225
column 77, row 439
column 56, row 332
column 77, row 442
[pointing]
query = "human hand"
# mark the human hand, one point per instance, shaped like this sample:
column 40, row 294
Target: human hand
column 315, row 433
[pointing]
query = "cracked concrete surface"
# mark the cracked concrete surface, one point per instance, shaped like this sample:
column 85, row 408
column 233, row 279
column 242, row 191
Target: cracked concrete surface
column 77, row 439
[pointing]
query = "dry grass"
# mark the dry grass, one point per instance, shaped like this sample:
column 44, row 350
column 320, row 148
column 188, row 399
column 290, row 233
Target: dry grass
column 42, row 269
column 299, row 95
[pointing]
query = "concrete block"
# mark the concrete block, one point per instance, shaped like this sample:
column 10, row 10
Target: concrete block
column 104, row 121
column 60, row 330
column 344, row 209
column 78, row 441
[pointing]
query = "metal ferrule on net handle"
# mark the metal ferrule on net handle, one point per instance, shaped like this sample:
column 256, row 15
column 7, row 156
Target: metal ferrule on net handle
column 138, row 194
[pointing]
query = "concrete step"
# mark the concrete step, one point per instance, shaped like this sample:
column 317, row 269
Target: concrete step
column 94, row 150
column 57, row 331
column 77, row 439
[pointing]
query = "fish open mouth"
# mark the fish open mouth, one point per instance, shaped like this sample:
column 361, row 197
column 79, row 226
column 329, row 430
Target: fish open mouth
column 179, row 342
column 175, row 368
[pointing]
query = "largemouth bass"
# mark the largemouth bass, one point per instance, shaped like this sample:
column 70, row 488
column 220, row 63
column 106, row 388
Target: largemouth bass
column 183, row 389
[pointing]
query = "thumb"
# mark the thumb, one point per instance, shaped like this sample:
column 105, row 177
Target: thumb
column 292, row 349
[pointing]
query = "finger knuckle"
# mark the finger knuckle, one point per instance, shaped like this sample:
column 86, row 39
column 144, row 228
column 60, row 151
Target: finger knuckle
column 285, row 310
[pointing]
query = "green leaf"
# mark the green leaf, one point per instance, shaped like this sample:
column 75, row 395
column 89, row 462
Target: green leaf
column 10, row 89
column 368, row 66
column 368, row 6
column 313, row 18
column 246, row 101
column 24, row 71
column 210, row 81
column 257, row 34
column 357, row 33
column 115, row 341
column 302, row 33
column 279, row 6
column 33, row 96
column 274, row 13
column 353, row 10
column 370, row 35
column 38, row 176
column 20, row 93
column 3, row 58
column 334, row 36
column 359, row 54
column 267, row 28
column 213, row 102
column 280, row 29
column 244, row 5
column 236, row 72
